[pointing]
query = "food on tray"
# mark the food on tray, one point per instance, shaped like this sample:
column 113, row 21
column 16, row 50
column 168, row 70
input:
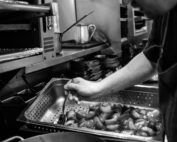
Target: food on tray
column 117, row 118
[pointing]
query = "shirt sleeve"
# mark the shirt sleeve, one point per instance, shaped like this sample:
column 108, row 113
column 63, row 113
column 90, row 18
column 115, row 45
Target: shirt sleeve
column 153, row 47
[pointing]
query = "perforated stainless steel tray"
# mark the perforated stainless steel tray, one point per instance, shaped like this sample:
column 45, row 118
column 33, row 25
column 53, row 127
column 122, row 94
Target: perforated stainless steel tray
column 45, row 110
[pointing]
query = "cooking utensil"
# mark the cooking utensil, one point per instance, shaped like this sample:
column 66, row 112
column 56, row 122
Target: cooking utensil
column 84, row 33
column 62, row 117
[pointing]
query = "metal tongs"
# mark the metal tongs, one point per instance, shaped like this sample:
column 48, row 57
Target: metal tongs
column 62, row 117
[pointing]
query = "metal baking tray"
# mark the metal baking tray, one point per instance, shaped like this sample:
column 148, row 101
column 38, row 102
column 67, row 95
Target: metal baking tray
column 42, row 114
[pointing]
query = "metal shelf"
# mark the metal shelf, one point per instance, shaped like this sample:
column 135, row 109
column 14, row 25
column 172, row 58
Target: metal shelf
column 19, row 63
column 67, row 55
column 35, row 63
column 7, row 6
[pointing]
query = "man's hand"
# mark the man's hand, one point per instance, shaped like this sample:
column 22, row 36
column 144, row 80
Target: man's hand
column 83, row 87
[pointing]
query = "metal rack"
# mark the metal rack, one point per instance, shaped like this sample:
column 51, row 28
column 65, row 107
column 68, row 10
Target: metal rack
column 37, row 62
column 6, row 6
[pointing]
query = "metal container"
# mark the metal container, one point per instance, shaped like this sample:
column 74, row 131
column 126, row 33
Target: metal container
column 42, row 114
column 82, row 34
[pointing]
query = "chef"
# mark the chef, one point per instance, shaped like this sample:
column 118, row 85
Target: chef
column 160, row 55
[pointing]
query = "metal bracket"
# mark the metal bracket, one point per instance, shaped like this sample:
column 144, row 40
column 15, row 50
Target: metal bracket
column 49, row 32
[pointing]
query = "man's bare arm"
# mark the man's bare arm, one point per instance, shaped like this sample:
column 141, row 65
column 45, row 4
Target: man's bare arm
column 136, row 71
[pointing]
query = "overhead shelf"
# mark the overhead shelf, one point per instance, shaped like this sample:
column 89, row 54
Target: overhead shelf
column 11, row 6
column 19, row 63
column 36, row 62
column 13, row 27
column 67, row 55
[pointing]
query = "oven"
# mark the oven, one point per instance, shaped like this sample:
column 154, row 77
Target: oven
column 28, row 28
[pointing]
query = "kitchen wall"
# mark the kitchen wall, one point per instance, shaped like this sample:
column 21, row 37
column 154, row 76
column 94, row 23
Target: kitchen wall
column 67, row 17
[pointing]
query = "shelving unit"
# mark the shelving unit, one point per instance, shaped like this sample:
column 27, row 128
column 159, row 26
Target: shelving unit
column 134, row 24
column 137, row 22
column 35, row 63
column 66, row 55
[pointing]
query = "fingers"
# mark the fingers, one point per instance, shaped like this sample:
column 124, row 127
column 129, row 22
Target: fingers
column 77, row 80
column 72, row 84
column 74, row 98
column 72, row 87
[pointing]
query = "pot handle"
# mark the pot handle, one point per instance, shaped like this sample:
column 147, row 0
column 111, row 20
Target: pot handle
column 92, row 29
column 13, row 138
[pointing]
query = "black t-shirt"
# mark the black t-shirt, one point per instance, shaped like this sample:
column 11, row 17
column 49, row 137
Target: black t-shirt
column 163, row 39
column 162, row 49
